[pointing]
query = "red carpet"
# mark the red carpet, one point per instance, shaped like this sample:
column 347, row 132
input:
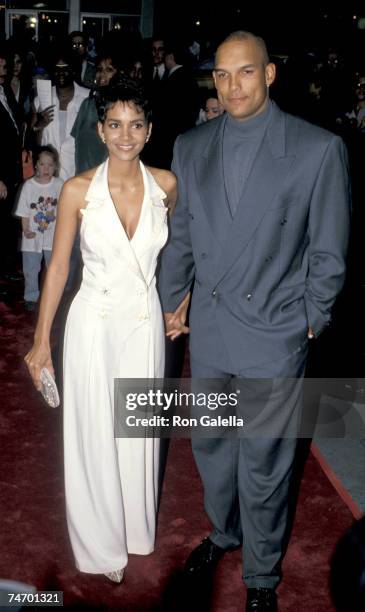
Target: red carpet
column 34, row 545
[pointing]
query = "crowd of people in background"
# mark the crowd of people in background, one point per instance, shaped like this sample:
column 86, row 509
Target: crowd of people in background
column 44, row 146
column 320, row 87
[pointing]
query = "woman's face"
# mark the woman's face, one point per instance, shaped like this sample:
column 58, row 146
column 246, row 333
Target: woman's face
column 104, row 72
column 125, row 131
column 213, row 108
column 17, row 65
column 136, row 71
column 63, row 76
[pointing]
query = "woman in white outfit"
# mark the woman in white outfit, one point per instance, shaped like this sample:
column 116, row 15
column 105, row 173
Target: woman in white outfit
column 114, row 329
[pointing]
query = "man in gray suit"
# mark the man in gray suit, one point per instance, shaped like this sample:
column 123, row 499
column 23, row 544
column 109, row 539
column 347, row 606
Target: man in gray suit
column 261, row 228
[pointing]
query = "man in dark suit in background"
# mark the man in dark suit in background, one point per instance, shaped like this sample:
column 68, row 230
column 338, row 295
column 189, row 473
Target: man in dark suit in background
column 158, row 58
column 181, row 90
column 84, row 69
column 176, row 104
column 261, row 227
column 10, row 168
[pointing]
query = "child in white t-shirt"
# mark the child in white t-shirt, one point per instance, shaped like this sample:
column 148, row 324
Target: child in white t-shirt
column 37, row 207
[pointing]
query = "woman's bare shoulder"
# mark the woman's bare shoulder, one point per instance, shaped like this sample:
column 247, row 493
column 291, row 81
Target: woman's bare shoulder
column 77, row 186
column 164, row 178
column 168, row 183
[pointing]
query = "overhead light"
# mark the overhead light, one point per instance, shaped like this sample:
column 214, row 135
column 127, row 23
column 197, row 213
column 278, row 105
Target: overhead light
column 39, row 5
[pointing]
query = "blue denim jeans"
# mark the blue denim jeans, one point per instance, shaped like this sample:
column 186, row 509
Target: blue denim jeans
column 32, row 263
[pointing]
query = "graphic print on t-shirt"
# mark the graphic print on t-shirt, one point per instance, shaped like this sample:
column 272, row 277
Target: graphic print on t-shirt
column 45, row 212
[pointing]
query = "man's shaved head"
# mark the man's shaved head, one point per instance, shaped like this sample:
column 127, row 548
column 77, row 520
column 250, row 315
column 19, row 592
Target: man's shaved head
column 242, row 35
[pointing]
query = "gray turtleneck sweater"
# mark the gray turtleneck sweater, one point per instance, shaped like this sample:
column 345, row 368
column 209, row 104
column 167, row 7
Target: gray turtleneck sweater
column 241, row 141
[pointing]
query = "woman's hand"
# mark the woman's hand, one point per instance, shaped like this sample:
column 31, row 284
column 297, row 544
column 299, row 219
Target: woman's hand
column 175, row 321
column 39, row 357
column 44, row 117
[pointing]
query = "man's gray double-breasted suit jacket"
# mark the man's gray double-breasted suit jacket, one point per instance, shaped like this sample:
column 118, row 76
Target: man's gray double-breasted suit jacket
column 274, row 269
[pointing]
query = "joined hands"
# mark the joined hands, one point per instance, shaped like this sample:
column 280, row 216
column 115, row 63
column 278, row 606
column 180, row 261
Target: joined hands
column 175, row 321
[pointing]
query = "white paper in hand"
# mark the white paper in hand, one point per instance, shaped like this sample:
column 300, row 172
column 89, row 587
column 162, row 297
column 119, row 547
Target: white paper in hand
column 44, row 91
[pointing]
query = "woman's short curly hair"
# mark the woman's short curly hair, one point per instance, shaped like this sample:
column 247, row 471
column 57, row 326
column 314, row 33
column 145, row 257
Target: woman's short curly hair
column 121, row 89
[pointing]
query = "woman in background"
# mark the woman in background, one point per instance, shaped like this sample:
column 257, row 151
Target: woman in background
column 90, row 151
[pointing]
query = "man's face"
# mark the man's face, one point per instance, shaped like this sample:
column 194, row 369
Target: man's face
column 360, row 89
column 333, row 60
column 158, row 52
column 78, row 45
column 3, row 70
column 241, row 78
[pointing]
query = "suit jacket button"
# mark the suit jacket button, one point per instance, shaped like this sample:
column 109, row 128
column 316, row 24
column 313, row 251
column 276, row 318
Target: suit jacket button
column 203, row 255
column 248, row 296
column 214, row 293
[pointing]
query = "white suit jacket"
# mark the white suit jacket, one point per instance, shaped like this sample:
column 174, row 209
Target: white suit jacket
column 51, row 134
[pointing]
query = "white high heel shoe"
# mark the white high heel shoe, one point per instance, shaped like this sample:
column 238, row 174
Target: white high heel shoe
column 116, row 576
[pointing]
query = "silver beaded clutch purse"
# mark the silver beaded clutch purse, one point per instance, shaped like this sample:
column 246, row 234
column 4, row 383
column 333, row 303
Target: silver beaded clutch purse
column 49, row 388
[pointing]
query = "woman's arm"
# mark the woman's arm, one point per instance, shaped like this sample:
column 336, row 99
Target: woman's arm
column 71, row 201
column 174, row 321
column 171, row 191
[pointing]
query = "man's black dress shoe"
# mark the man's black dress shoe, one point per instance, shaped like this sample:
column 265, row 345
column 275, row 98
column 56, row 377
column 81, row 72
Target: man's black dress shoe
column 203, row 558
column 261, row 600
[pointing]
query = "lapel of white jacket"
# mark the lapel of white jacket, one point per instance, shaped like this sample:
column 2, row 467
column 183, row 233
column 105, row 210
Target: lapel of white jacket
column 102, row 211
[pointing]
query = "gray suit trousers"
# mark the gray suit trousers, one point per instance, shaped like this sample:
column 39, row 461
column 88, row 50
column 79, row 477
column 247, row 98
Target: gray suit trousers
column 246, row 480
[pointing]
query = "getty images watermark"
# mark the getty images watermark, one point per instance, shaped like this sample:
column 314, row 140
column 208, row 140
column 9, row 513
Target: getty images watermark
column 280, row 408
column 173, row 407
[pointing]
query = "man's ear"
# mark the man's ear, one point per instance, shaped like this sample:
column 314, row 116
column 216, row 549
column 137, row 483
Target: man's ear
column 270, row 74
